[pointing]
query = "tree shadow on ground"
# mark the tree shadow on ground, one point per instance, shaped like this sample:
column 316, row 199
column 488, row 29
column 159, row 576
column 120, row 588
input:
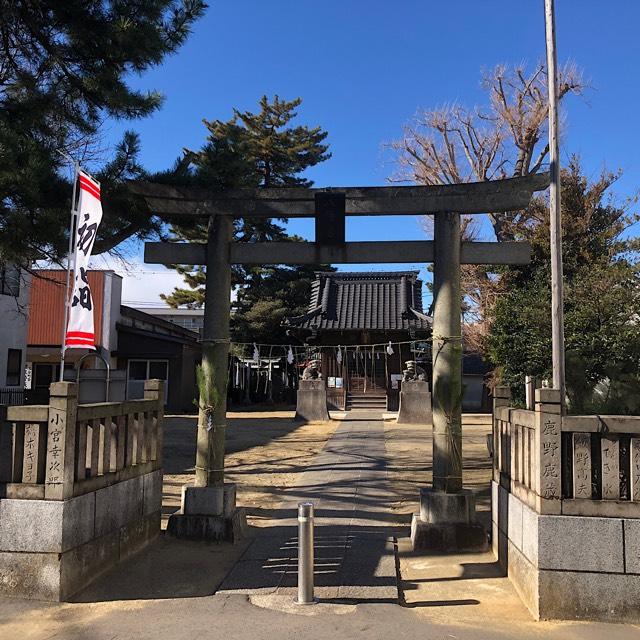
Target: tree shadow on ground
column 180, row 433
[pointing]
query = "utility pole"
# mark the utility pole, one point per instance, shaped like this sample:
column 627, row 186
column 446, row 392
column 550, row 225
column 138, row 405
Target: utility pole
column 555, row 214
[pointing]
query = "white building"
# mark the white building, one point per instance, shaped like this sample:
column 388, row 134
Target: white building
column 192, row 319
column 14, row 301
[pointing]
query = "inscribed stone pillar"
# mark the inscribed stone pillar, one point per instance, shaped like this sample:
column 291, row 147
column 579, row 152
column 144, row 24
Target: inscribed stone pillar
column 61, row 441
column 548, row 431
column 215, row 355
column 447, row 356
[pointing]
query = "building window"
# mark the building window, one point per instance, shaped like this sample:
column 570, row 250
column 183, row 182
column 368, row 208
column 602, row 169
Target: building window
column 140, row 370
column 44, row 373
column 14, row 366
column 9, row 280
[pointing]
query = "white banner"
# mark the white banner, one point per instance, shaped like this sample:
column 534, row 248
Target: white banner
column 80, row 329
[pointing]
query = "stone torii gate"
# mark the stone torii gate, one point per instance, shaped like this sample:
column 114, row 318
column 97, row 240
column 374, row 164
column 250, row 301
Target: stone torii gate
column 208, row 507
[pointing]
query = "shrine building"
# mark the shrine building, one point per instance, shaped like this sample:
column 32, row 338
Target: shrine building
column 372, row 309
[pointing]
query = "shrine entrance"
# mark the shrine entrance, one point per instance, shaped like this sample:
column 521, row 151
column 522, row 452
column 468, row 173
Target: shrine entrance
column 366, row 372
column 329, row 207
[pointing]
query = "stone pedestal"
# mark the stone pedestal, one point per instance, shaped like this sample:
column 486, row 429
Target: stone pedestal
column 447, row 523
column 415, row 403
column 208, row 513
column 312, row 401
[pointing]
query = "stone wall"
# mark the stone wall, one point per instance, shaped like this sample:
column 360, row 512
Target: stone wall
column 50, row 549
column 80, row 489
column 566, row 509
column 568, row 567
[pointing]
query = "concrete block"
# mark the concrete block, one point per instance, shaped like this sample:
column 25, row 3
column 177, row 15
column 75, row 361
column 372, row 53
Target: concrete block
column 514, row 524
column 551, row 396
column 311, row 403
column 211, row 528
column 82, row 565
column 118, row 505
column 30, row 575
column 152, row 488
column 202, row 501
column 608, row 597
column 229, row 499
column 503, row 509
column 78, row 521
column 438, row 507
column 135, row 536
column 31, row 525
column 524, row 577
column 632, row 545
column 415, row 403
column 501, row 549
column 576, row 543
column 530, row 534
column 46, row 526
column 456, row 536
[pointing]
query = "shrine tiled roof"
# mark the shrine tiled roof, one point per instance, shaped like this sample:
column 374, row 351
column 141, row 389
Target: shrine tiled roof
column 369, row 300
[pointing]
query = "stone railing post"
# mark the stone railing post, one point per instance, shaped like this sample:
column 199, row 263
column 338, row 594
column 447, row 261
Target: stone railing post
column 154, row 390
column 547, row 471
column 529, row 392
column 6, row 454
column 501, row 398
column 61, row 441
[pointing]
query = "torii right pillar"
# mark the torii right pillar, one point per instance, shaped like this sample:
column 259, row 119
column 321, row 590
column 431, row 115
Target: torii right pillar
column 447, row 519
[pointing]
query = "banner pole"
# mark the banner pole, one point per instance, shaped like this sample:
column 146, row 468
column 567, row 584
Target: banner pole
column 72, row 225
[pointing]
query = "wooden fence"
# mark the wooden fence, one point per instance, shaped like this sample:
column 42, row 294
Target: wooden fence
column 63, row 449
column 574, row 465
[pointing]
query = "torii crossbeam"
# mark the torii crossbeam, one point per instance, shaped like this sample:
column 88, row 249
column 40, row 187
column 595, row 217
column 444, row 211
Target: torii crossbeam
column 329, row 207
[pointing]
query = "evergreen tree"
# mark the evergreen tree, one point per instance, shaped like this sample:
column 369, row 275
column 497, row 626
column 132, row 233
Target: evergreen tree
column 256, row 150
column 63, row 70
column 602, row 300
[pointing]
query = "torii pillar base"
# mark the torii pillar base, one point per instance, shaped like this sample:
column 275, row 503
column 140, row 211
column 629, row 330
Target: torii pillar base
column 447, row 523
column 208, row 513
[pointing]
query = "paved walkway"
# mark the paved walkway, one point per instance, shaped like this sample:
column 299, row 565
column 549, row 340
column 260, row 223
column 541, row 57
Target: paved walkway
column 355, row 532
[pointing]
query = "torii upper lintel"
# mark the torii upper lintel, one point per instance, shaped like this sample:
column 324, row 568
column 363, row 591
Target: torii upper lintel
column 509, row 194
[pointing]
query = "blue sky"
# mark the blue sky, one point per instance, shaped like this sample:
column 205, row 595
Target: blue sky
column 363, row 69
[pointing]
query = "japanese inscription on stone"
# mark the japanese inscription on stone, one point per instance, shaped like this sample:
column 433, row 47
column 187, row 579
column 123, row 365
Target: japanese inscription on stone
column 610, row 448
column 635, row 469
column 550, row 487
column 582, row 465
column 55, row 446
column 33, row 458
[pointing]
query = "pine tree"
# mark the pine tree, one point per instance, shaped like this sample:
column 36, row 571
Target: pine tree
column 256, row 150
column 63, row 70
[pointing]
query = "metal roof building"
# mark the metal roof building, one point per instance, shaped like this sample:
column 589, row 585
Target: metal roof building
column 365, row 302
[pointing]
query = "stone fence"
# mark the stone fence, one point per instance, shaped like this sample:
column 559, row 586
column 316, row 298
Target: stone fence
column 80, row 488
column 566, row 508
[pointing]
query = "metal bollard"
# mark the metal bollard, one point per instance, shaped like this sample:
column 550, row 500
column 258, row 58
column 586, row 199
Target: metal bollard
column 305, row 553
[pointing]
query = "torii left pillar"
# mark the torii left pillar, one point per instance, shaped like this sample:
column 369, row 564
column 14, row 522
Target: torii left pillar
column 208, row 510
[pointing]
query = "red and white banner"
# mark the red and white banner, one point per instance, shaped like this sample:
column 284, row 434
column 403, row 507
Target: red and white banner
column 80, row 330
